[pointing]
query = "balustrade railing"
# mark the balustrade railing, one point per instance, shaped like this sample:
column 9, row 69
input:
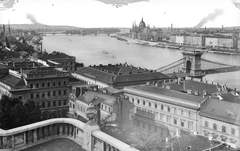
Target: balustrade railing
column 37, row 133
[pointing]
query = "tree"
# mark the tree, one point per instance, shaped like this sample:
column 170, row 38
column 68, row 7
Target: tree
column 15, row 113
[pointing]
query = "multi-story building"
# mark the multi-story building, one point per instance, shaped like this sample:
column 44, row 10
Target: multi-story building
column 220, row 120
column 195, row 40
column 117, row 76
column 172, row 39
column 173, row 109
column 225, row 42
column 181, row 39
column 211, row 41
column 112, row 105
column 67, row 62
column 47, row 87
column 238, row 45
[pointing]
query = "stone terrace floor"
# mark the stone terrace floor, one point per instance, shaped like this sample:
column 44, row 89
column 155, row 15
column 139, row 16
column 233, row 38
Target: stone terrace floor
column 61, row 144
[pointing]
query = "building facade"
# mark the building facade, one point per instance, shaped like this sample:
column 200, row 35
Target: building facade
column 47, row 87
column 180, row 39
column 225, row 42
column 117, row 76
column 220, row 120
column 112, row 106
column 142, row 32
column 170, row 108
column 211, row 41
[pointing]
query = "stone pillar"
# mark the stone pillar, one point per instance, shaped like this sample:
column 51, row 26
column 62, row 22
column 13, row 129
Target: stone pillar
column 60, row 129
column 88, row 138
column 1, row 139
column 25, row 137
column 35, row 137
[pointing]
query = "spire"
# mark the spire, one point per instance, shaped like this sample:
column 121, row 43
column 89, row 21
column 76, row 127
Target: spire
column 9, row 27
column 142, row 17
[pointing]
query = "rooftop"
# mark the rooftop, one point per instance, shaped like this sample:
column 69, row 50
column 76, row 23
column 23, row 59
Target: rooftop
column 221, row 110
column 13, row 81
column 176, row 97
column 120, row 73
column 97, row 97
column 55, row 55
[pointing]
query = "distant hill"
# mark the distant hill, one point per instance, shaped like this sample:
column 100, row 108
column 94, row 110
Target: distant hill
column 41, row 26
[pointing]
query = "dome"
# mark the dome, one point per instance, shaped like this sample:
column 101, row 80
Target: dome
column 142, row 24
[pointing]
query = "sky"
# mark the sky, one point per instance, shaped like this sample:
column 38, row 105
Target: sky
column 121, row 13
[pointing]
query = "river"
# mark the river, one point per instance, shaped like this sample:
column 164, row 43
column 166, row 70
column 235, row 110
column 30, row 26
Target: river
column 89, row 50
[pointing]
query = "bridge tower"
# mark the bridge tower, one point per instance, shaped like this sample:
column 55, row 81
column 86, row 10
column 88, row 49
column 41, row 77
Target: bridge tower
column 192, row 63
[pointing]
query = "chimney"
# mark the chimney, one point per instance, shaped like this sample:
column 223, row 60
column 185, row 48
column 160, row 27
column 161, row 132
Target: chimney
column 4, row 29
column 222, row 27
column 171, row 27
column 41, row 47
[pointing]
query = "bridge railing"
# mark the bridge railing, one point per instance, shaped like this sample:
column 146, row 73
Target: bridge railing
column 44, row 131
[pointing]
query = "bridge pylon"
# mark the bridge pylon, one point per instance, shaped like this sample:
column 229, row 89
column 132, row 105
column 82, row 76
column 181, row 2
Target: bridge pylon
column 192, row 63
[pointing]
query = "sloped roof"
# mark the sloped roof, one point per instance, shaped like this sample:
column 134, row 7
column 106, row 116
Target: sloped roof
column 200, row 86
column 13, row 81
column 111, row 76
column 55, row 55
column 188, row 141
column 229, row 96
column 221, row 110
column 96, row 97
column 182, row 97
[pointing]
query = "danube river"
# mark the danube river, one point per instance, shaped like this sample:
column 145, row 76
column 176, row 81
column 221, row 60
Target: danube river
column 102, row 49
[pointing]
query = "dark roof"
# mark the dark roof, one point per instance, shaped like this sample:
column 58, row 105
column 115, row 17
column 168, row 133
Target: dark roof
column 174, row 86
column 55, row 55
column 221, row 110
column 166, row 92
column 200, row 86
column 188, row 141
column 13, row 81
column 231, row 97
column 120, row 74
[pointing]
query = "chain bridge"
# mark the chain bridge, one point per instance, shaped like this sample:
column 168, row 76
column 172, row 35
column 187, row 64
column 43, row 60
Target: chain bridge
column 192, row 65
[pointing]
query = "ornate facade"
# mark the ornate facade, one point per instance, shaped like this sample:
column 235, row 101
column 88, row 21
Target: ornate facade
column 142, row 32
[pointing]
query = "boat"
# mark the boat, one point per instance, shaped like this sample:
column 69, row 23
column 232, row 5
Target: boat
column 113, row 56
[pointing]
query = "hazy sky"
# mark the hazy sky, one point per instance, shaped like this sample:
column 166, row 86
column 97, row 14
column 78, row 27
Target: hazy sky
column 99, row 13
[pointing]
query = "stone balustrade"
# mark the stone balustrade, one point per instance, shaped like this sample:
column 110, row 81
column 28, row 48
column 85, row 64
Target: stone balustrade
column 86, row 135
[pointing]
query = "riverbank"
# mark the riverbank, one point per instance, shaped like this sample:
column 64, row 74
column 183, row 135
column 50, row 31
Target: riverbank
column 176, row 46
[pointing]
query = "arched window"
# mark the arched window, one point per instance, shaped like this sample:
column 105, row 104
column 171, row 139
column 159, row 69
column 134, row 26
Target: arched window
column 215, row 126
column 206, row 123
column 162, row 107
column 224, row 129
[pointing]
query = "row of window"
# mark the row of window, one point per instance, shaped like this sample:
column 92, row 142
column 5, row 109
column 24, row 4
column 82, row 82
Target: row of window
column 48, row 84
column 165, row 118
column 49, row 104
column 105, row 108
column 215, row 127
column 165, row 108
column 48, row 94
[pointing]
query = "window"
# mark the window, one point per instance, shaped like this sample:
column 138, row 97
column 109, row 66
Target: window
column 223, row 129
column 162, row 107
column 182, row 123
column 20, row 97
column 168, row 119
column 155, row 105
column 175, row 121
column 31, row 85
column 37, row 96
column 73, row 106
column 59, row 92
column 149, row 104
column 108, row 109
column 175, row 110
column 102, row 106
column 59, row 83
column 54, row 93
column 43, row 85
column 64, row 92
column 48, row 84
column 169, row 109
column 37, row 85
column 190, row 125
column 59, row 103
column 54, row 104
column 54, row 84
column 32, row 96
column 64, row 82
column 64, row 102
column 49, row 93
column 206, row 123
column 161, row 116
column 49, row 104
column 43, row 105
column 182, row 112
column 215, row 126
column 143, row 102
column 43, row 95
column 138, row 101
column 233, row 131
